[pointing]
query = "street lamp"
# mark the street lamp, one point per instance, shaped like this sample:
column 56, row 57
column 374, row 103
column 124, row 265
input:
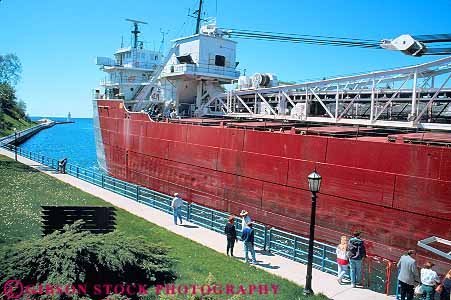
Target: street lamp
column 314, row 183
column 15, row 143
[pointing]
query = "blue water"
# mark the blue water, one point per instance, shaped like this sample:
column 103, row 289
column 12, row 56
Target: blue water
column 74, row 141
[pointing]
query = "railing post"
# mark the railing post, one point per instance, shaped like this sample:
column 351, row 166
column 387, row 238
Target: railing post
column 77, row 171
column 323, row 260
column 295, row 243
column 137, row 193
column 212, row 217
column 103, row 181
column 265, row 237
column 188, row 212
column 269, row 242
column 114, row 184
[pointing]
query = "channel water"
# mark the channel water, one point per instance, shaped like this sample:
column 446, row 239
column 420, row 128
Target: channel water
column 74, row 141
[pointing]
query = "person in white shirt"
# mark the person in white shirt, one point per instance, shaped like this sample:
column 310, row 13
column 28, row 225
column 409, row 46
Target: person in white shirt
column 429, row 279
column 176, row 205
column 342, row 260
column 245, row 219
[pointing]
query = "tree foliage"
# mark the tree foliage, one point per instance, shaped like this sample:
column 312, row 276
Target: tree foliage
column 79, row 257
column 10, row 69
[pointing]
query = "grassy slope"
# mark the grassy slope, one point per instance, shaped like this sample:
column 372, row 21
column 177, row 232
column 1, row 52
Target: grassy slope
column 23, row 190
column 19, row 124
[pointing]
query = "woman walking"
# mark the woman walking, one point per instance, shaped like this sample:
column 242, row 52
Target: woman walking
column 429, row 279
column 230, row 232
column 446, row 287
column 342, row 260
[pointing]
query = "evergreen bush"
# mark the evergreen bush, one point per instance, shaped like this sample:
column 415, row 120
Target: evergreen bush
column 80, row 257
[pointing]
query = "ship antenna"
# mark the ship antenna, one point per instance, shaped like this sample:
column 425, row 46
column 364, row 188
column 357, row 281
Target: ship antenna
column 135, row 31
column 199, row 12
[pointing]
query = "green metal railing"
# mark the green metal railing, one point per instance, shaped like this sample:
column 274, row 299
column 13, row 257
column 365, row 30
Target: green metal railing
column 273, row 240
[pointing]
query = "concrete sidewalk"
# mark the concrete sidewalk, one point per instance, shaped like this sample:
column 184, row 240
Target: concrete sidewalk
column 283, row 267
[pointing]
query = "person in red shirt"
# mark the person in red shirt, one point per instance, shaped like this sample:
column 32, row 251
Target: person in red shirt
column 342, row 260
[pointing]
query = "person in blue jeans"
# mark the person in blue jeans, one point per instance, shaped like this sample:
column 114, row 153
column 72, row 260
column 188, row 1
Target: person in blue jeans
column 356, row 252
column 176, row 205
column 247, row 236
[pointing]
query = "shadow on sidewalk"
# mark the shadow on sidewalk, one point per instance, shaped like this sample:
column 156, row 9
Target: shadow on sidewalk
column 267, row 265
column 44, row 169
column 259, row 263
column 264, row 253
column 189, row 226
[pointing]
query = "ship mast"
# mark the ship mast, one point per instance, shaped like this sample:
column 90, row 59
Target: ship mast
column 135, row 31
column 199, row 11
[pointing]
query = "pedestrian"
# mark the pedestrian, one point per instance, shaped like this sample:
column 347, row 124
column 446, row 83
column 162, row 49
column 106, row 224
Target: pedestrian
column 247, row 237
column 230, row 232
column 245, row 219
column 446, row 287
column 356, row 252
column 176, row 205
column 408, row 275
column 62, row 166
column 342, row 260
column 429, row 279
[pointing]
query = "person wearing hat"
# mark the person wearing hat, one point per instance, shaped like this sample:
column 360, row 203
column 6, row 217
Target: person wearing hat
column 247, row 236
column 230, row 232
column 176, row 205
column 246, row 219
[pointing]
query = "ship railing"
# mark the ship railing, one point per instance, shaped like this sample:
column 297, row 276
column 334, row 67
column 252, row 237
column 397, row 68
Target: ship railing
column 378, row 274
column 193, row 69
column 124, row 80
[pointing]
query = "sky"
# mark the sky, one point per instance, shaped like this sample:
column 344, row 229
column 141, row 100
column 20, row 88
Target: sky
column 57, row 40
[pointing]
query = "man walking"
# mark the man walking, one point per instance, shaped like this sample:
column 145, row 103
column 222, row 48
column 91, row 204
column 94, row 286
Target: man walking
column 356, row 253
column 408, row 274
column 176, row 205
column 247, row 236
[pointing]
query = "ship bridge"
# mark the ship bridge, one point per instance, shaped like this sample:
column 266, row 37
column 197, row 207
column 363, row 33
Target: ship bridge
column 411, row 97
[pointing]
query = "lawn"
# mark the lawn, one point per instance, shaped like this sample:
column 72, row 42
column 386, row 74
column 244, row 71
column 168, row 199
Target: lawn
column 23, row 190
column 10, row 123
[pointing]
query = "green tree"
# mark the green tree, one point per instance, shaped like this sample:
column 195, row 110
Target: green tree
column 80, row 257
column 10, row 69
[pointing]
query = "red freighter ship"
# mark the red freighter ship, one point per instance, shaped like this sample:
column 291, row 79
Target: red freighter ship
column 380, row 141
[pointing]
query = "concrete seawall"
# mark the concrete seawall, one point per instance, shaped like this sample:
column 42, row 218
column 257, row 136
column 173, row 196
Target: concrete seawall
column 21, row 136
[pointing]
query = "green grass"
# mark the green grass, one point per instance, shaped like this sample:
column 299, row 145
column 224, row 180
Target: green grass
column 23, row 190
column 10, row 123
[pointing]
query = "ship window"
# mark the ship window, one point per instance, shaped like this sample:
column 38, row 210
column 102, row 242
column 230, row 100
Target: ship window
column 131, row 89
column 185, row 59
column 220, row 60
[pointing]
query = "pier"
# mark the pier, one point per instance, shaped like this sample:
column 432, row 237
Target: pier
column 21, row 136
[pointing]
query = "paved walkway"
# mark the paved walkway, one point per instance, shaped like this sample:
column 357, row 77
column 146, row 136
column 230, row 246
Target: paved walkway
column 283, row 267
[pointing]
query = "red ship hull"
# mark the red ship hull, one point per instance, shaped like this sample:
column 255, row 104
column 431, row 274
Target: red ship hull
column 395, row 193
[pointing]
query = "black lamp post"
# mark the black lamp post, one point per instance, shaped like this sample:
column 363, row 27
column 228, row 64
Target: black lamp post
column 314, row 183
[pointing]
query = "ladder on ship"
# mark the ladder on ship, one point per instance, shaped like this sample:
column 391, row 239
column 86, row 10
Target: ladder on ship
column 143, row 96
column 410, row 97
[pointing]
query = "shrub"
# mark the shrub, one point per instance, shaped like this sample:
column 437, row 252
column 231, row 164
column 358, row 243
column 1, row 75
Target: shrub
column 79, row 257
